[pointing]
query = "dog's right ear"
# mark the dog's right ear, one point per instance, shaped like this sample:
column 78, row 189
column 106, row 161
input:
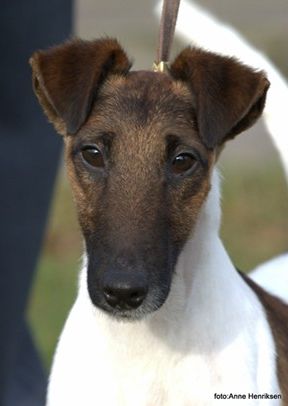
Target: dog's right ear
column 66, row 78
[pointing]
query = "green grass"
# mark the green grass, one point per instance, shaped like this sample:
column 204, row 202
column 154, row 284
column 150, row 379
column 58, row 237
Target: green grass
column 255, row 207
column 255, row 227
column 53, row 294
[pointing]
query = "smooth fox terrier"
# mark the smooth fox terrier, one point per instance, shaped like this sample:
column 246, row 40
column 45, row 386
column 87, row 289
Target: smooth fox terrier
column 162, row 317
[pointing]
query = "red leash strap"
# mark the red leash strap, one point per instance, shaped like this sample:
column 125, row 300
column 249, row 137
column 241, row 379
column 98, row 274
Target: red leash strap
column 166, row 34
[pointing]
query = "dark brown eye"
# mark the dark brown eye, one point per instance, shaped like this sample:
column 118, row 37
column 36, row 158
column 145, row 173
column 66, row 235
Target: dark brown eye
column 183, row 163
column 93, row 157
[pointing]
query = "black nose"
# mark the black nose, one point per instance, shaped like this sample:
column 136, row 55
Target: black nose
column 124, row 293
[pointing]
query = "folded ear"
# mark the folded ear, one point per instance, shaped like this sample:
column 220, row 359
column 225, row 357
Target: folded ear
column 229, row 96
column 67, row 77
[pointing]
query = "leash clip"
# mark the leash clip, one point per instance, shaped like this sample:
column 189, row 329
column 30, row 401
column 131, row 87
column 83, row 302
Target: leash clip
column 162, row 67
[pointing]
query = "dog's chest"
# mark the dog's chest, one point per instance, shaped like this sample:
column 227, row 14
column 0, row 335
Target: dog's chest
column 166, row 380
column 127, row 367
column 155, row 379
column 160, row 377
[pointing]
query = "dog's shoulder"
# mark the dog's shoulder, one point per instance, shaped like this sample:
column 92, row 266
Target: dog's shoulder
column 277, row 315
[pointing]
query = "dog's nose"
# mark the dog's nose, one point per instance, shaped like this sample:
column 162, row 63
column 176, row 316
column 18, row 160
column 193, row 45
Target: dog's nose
column 124, row 295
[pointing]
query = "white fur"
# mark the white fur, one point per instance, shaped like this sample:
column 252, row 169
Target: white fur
column 211, row 336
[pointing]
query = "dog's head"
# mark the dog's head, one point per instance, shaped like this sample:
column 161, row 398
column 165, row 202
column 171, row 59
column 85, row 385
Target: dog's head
column 140, row 148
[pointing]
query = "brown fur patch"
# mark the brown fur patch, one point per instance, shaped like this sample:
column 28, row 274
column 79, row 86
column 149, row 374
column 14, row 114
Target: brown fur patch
column 277, row 315
column 66, row 78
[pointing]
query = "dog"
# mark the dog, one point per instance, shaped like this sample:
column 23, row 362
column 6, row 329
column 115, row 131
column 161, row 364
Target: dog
column 162, row 316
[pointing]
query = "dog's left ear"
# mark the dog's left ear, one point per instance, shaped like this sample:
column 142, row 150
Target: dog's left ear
column 228, row 96
column 67, row 78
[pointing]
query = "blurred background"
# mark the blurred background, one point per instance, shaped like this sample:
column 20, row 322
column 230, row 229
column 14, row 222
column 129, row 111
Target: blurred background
column 255, row 199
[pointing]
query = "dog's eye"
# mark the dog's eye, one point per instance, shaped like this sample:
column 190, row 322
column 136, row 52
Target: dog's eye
column 183, row 163
column 93, row 156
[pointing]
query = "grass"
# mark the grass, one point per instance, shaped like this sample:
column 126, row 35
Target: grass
column 255, row 221
column 53, row 294
column 255, row 225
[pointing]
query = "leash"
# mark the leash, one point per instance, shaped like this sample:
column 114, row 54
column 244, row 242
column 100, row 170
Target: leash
column 166, row 34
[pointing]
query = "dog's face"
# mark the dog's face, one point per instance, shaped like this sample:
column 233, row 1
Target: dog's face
column 140, row 174
column 140, row 148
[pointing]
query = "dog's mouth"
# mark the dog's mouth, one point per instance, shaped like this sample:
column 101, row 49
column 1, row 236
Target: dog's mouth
column 127, row 315
column 149, row 306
